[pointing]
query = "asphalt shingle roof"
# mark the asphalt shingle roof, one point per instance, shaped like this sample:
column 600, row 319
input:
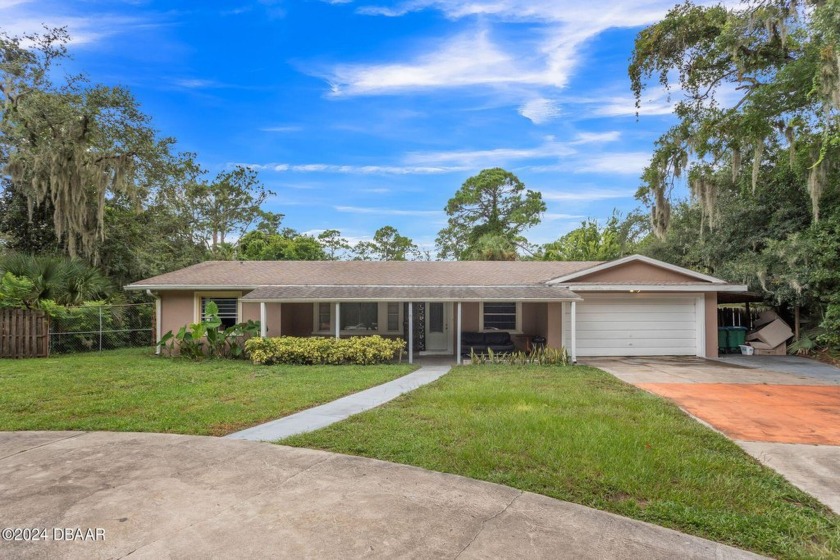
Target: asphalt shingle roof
column 253, row 274
column 411, row 293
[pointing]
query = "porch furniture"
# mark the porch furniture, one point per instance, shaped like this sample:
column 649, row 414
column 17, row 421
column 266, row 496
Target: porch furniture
column 480, row 342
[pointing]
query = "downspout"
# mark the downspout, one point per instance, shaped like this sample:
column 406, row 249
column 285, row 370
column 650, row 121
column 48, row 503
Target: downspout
column 158, row 319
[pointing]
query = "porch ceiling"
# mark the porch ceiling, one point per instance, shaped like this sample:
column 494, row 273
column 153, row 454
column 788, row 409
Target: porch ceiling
column 410, row 293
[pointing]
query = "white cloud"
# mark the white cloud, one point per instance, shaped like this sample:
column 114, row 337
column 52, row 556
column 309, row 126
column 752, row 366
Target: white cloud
column 628, row 163
column 540, row 110
column 20, row 17
column 286, row 128
column 387, row 211
column 605, row 13
column 352, row 169
column 471, row 159
column 618, row 163
column 596, row 137
column 625, row 107
column 6, row 4
column 552, row 216
column 465, row 60
column 196, row 83
column 586, row 195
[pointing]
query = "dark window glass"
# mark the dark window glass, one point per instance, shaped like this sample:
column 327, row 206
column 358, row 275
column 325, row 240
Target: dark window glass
column 500, row 316
column 393, row 317
column 359, row 317
column 227, row 309
column 324, row 316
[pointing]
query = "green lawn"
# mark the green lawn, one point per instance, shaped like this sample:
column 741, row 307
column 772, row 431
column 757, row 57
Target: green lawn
column 133, row 390
column 580, row 435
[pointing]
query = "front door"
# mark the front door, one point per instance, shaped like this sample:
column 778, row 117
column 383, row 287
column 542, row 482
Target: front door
column 437, row 327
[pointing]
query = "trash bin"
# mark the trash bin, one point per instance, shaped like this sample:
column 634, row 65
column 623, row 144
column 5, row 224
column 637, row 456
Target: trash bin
column 723, row 340
column 737, row 337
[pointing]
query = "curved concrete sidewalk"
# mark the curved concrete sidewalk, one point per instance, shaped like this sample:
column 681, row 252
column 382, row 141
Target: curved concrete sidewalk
column 171, row 496
column 319, row 417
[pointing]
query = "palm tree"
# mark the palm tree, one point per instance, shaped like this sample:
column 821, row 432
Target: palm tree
column 492, row 247
column 63, row 280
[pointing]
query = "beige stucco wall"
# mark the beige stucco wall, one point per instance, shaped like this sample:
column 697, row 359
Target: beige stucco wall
column 534, row 318
column 711, row 325
column 469, row 317
column 635, row 273
column 177, row 310
column 273, row 313
column 250, row 311
column 554, row 325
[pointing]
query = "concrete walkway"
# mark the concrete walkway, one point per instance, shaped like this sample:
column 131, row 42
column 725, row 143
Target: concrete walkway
column 321, row 416
column 170, row 496
column 784, row 412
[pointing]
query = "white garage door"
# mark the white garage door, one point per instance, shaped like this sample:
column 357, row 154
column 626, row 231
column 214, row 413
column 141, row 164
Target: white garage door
column 635, row 325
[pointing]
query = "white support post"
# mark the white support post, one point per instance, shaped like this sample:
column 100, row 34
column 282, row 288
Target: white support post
column 337, row 320
column 158, row 323
column 263, row 325
column 410, row 333
column 458, row 336
column 573, row 329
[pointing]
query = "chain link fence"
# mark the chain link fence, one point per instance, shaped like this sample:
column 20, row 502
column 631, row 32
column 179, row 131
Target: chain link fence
column 103, row 327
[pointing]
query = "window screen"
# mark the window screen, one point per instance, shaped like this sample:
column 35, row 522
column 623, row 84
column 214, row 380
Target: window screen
column 501, row 316
column 227, row 309
column 359, row 317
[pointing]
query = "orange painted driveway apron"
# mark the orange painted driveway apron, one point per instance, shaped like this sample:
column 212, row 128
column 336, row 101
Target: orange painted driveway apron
column 757, row 412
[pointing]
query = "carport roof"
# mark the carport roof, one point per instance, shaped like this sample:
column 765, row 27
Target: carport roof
column 410, row 293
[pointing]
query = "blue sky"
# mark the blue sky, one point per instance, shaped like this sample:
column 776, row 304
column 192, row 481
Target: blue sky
column 364, row 113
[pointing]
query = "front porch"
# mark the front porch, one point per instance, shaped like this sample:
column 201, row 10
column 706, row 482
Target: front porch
column 432, row 329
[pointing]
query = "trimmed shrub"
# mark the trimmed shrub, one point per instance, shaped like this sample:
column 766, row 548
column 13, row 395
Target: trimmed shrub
column 317, row 350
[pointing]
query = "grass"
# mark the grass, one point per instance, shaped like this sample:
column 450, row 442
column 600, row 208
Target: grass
column 133, row 390
column 580, row 435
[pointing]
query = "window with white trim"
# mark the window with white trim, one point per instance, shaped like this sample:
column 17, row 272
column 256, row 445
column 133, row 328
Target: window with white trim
column 323, row 318
column 393, row 317
column 500, row 316
column 228, row 310
column 359, row 318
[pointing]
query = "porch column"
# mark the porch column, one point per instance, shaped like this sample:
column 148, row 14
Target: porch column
column 410, row 333
column 337, row 320
column 279, row 319
column 573, row 329
column 458, row 335
column 159, row 322
column 263, row 324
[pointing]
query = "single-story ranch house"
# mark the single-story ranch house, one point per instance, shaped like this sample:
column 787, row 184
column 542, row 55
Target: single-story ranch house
column 633, row 306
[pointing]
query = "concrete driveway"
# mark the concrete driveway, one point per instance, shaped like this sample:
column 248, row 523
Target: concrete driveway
column 785, row 411
column 170, row 496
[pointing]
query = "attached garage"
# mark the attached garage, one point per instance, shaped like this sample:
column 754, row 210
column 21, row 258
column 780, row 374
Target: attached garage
column 639, row 325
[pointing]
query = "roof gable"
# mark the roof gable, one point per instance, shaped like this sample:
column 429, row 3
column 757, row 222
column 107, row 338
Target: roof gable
column 636, row 269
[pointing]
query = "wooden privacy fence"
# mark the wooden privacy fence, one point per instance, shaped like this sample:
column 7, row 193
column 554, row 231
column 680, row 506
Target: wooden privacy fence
column 24, row 333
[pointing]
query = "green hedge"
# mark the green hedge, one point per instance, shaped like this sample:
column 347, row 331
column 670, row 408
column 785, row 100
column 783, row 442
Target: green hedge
column 316, row 350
